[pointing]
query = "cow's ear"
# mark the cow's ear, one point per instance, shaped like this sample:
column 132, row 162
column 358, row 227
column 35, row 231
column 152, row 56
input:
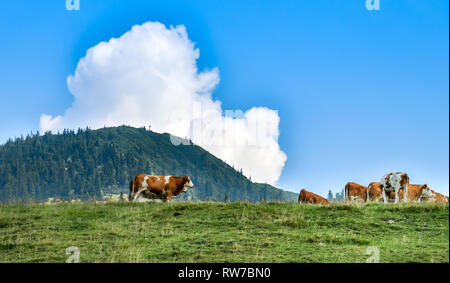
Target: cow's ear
column 185, row 177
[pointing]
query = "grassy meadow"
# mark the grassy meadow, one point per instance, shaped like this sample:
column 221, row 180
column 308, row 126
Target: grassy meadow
column 224, row 232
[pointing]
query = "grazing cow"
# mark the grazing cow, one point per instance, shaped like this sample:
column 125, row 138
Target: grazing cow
column 308, row 197
column 356, row 192
column 415, row 193
column 375, row 191
column 394, row 182
column 436, row 197
column 158, row 187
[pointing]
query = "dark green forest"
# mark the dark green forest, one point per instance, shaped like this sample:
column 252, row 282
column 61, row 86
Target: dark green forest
column 86, row 164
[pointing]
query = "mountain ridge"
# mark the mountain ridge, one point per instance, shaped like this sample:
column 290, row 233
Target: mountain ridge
column 88, row 163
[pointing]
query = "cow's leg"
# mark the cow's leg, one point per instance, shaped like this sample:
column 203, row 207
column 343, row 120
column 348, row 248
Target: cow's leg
column 167, row 196
column 167, row 199
column 383, row 193
column 138, row 194
column 132, row 196
column 396, row 195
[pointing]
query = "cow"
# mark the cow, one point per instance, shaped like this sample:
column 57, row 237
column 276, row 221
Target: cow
column 308, row 197
column 415, row 193
column 436, row 197
column 356, row 192
column 158, row 187
column 375, row 191
column 439, row 197
column 394, row 182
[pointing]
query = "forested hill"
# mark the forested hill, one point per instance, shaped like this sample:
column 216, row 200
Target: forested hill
column 89, row 163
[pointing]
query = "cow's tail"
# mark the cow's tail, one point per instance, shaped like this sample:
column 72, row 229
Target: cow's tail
column 131, row 189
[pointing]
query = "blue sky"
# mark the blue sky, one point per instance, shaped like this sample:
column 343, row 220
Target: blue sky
column 359, row 93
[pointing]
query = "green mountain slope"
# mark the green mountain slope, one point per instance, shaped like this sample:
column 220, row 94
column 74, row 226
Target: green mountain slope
column 87, row 163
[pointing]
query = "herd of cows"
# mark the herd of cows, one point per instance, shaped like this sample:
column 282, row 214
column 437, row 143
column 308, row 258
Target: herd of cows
column 393, row 186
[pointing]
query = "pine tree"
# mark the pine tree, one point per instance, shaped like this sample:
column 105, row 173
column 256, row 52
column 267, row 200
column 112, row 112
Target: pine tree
column 330, row 196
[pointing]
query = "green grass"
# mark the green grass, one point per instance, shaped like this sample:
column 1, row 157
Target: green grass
column 219, row 232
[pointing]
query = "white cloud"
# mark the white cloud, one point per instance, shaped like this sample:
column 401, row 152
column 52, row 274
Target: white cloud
column 149, row 76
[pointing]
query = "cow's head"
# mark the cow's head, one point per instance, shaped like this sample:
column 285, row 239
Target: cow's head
column 427, row 192
column 187, row 184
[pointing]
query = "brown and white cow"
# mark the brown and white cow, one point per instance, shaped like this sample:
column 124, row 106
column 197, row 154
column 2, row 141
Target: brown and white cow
column 440, row 197
column 394, row 182
column 435, row 197
column 158, row 187
column 308, row 197
column 356, row 192
column 375, row 191
column 415, row 193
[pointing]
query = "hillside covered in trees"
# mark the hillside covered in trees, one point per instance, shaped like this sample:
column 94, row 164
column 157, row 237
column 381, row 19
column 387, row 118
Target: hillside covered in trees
column 89, row 163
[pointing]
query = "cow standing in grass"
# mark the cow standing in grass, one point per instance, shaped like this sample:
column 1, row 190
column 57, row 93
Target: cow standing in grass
column 158, row 187
column 416, row 193
column 394, row 182
column 375, row 191
column 356, row 192
column 432, row 196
